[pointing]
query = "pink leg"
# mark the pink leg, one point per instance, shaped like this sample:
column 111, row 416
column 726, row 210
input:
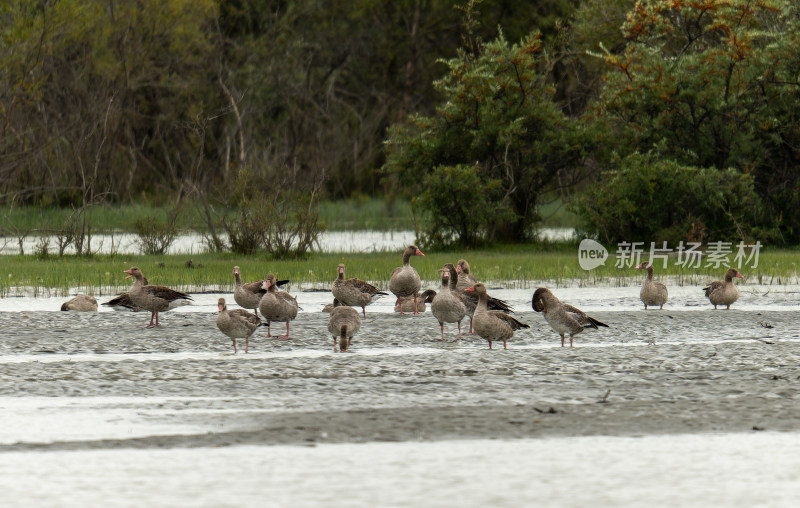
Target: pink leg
column 246, row 344
column 156, row 318
column 570, row 341
column 459, row 330
column 416, row 309
column 152, row 314
column 401, row 307
column 562, row 340
column 441, row 326
column 470, row 327
column 505, row 346
column 268, row 333
column 234, row 346
column 284, row 337
column 364, row 311
column 490, row 344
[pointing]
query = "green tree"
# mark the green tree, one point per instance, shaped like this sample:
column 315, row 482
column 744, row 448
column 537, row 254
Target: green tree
column 714, row 84
column 497, row 119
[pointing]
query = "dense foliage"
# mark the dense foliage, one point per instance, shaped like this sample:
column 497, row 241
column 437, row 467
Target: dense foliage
column 476, row 113
column 715, row 85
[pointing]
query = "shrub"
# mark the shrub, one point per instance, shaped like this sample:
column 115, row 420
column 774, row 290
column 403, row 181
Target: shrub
column 646, row 198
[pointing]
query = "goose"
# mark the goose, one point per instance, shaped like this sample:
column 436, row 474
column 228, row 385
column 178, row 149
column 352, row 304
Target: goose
column 467, row 280
column 562, row 317
column 724, row 292
column 492, row 325
column 277, row 305
column 236, row 324
column 123, row 302
column 448, row 306
column 82, row 303
column 343, row 324
column 354, row 292
column 405, row 279
column 653, row 292
column 151, row 297
column 406, row 303
column 248, row 295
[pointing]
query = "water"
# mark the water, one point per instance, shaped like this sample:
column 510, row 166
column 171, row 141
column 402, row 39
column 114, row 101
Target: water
column 681, row 407
column 329, row 241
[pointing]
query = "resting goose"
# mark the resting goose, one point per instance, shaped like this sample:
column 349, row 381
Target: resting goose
column 343, row 324
column 150, row 296
column 465, row 278
column 406, row 304
column 82, row 303
column 653, row 292
column 492, row 325
column 448, row 306
column 724, row 292
column 277, row 305
column 354, row 292
column 562, row 317
column 236, row 324
column 405, row 279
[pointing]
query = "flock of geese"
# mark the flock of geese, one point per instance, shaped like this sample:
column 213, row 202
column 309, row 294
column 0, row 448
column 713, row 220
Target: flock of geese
column 459, row 296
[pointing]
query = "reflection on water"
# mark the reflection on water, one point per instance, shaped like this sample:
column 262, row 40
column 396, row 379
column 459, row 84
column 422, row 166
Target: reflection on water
column 329, row 241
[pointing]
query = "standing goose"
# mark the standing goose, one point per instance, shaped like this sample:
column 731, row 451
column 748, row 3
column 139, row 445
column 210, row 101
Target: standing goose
column 467, row 280
column 236, row 324
column 82, row 303
column 354, row 292
column 492, row 325
column 150, row 296
column 448, row 306
column 562, row 317
column 406, row 304
column 653, row 292
column 724, row 292
column 343, row 324
column 277, row 305
column 405, row 279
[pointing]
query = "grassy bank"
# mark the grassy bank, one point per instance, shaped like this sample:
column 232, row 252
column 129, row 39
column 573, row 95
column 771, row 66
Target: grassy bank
column 512, row 266
column 350, row 215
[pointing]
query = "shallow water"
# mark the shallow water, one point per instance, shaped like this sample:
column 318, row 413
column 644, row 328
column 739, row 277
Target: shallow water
column 328, row 241
column 94, row 409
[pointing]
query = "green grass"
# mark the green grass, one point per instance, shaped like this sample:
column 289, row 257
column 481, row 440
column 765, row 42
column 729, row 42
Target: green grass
column 519, row 266
column 363, row 214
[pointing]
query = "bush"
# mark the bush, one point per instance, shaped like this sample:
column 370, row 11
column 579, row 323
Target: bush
column 155, row 235
column 646, row 198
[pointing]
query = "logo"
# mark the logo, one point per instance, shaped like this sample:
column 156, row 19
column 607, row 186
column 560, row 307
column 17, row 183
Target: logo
column 591, row 254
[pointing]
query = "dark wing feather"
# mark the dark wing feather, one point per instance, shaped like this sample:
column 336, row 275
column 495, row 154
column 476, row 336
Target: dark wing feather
column 122, row 300
column 513, row 322
column 365, row 287
column 713, row 287
column 471, row 300
column 581, row 317
column 247, row 316
column 166, row 293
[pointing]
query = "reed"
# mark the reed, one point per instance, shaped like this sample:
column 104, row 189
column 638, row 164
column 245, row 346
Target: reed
column 515, row 266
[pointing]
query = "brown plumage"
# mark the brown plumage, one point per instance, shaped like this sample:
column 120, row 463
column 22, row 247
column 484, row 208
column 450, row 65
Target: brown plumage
column 236, row 324
column 151, row 297
column 448, row 306
column 123, row 302
column 562, row 317
column 492, row 325
column 247, row 296
column 405, row 280
column 343, row 324
column 653, row 292
column 277, row 305
column 465, row 278
column 354, row 292
column 82, row 303
column 724, row 292
column 406, row 303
